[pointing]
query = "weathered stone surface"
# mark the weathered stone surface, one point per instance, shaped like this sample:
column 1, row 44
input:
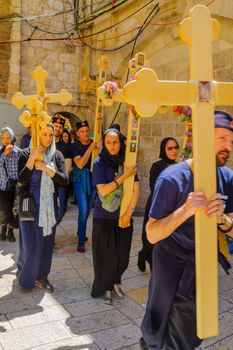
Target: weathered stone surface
column 96, row 322
column 25, row 338
column 117, row 337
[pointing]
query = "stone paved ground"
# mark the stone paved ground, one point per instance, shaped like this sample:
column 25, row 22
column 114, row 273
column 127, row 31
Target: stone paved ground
column 69, row 319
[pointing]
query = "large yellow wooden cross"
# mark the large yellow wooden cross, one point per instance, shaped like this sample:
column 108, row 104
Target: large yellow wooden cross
column 86, row 84
column 37, row 103
column 202, row 93
column 36, row 118
column 103, row 66
column 135, row 65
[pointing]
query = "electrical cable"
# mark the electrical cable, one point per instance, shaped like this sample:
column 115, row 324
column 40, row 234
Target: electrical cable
column 133, row 49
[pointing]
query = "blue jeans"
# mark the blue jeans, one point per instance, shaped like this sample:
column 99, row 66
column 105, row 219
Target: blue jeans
column 84, row 207
column 62, row 203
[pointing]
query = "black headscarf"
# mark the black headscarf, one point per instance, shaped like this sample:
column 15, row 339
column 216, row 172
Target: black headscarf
column 116, row 160
column 162, row 153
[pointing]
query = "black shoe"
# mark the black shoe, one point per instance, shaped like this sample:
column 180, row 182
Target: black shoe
column 81, row 248
column 45, row 285
column 10, row 235
column 141, row 263
column 143, row 344
column 3, row 233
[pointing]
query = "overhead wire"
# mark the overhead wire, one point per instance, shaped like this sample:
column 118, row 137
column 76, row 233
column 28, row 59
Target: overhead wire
column 141, row 29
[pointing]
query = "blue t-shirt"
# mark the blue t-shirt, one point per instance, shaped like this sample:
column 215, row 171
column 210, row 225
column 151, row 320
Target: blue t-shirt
column 103, row 174
column 171, row 192
column 78, row 149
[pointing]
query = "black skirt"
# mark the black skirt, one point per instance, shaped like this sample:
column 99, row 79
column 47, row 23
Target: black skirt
column 111, row 250
column 6, row 207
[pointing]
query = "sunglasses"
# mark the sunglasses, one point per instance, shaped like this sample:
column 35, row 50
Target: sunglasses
column 171, row 148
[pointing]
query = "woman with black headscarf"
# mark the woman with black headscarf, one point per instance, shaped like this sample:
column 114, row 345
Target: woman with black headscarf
column 111, row 234
column 169, row 148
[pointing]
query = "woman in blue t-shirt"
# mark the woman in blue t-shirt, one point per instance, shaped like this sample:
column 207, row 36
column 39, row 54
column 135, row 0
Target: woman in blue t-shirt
column 111, row 234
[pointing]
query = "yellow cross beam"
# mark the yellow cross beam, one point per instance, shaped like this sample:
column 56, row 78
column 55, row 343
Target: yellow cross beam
column 87, row 84
column 38, row 102
column 135, row 65
column 147, row 93
column 36, row 118
column 103, row 66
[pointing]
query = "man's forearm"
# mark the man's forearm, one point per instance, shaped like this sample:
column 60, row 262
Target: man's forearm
column 80, row 162
column 160, row 229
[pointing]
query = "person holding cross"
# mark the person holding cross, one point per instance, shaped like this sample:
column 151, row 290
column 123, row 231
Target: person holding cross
column 170, row 318
column 39, row 180
column 111, row 233
column 83, row 189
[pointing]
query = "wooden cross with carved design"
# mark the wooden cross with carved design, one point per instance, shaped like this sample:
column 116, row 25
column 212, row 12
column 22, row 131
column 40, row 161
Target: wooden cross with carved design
column 202, row 93
column 36, row 118
column 86, row 84
column 103, row 66
column 135, row 65
column 36, row 108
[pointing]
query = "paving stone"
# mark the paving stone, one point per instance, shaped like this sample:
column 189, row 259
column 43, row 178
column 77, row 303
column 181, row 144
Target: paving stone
column 128, row 274
column 4, row 325
column 45, row 299
column 135, row 283
column 137, row 272
column 32, row 336
column 45, row 324
column 84, row 342
column 76, row 261
column 225, row 344
column 65, row 285
column 132, row 347
column 117, row 338
column 139, row 295
column 17, row 291
column 30, row 318
column 19, row 304
column 128, row 307
column 87, row 275
column 59, row 264
column 73, row 295
column 138, row 321
column 228, row 295
column 225, row 329
column 87, row 307
column 5, row 293
column 63, row 274
column 224, row 306
column 96, row 322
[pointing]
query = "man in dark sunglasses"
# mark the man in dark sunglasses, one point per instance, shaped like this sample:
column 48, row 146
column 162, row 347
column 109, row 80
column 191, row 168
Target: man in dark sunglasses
column 170, row 318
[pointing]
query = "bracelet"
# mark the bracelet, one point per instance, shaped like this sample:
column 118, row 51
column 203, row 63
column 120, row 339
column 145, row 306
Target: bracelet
column 117, row 184
column 225, row 217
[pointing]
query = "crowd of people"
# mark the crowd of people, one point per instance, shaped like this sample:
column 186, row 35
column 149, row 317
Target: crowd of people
column 35, row 185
